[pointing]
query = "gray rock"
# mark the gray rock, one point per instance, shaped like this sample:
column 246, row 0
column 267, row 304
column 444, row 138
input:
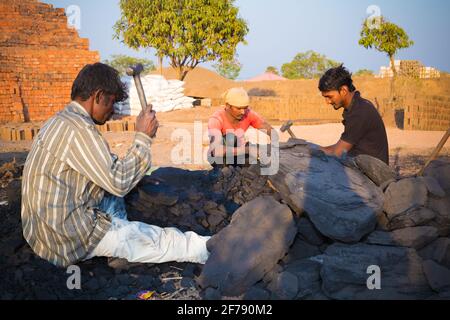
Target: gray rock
column 308, row 275
column 187, row 282
column 437, row 275
column 119, row 263
column 412, row 218
column 440, row 170
column 145, row 281
column 92, row 284
column 209, row 205
column 377, row 171
column 383, row 222
column 438, row 251
column 341, row 202
column 188, row 271
column 256, row 293
column 284, row 286
column 345, row 274
column 300, row 250
column 404, row 195
column 168, row 287
column 415, row 237
column 216, row 212
column 272, row 274
column 212, row 294
column 433, row 186
column 157, row 195
column 124, row 279
column 258, row 236
column 214, row 220
column 306, row 270
column 226, row 172
column 309, row 233
column 442, row 221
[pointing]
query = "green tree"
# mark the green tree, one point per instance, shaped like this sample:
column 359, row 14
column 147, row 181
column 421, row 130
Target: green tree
column 121, row 62
column 229, row 69
column 307, row 65
column 363, row 72
column 385, row 37
column 187, row 32
column 272, row 69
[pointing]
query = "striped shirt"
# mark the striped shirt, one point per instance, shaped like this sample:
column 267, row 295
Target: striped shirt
column 65, row 177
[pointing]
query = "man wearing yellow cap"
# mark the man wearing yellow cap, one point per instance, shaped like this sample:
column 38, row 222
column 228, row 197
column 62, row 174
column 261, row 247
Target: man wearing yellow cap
column 227, row 127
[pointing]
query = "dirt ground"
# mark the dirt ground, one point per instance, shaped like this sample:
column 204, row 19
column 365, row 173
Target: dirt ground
column 408, row 149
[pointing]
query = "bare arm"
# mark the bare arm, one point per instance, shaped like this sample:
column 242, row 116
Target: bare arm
column 217, row 149
column 269, row 130
column 337, row 149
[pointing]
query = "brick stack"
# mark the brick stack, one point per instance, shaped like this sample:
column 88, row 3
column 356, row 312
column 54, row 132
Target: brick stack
column 427, row 113
column 40, row 57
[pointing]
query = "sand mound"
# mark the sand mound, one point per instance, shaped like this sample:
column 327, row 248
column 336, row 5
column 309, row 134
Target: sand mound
column 201, row 82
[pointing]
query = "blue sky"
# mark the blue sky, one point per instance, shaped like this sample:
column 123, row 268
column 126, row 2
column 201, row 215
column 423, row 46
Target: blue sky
column 279, row 29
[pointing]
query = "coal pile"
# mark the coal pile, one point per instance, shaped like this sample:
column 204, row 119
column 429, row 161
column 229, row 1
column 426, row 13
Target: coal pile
column 266, row 243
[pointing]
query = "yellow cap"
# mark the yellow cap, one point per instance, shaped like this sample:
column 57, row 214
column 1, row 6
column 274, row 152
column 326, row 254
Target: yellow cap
column 237, row 97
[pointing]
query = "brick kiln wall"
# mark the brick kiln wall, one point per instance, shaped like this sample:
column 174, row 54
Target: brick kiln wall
column 40, row 56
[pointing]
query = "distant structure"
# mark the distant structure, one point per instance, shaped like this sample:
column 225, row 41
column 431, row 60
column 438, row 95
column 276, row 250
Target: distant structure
column 409, row 68
column 267, row 76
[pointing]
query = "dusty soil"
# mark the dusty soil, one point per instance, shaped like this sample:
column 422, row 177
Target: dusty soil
column 408, row 149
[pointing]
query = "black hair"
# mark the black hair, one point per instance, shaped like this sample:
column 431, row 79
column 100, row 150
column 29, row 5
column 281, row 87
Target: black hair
column 335, row 78
column 98, row 76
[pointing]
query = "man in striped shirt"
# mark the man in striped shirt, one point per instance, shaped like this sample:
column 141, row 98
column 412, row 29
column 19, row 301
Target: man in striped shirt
column 73, row 187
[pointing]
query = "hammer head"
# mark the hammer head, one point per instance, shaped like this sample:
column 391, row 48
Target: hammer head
column 286, row 126
column 135, row 70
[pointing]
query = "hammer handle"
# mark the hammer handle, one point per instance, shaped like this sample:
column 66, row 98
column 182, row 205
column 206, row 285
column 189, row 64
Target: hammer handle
column 140, row 91
column 291, row 133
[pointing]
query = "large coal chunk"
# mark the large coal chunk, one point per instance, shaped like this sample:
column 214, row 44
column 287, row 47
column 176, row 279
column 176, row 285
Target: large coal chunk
column 440, row 170
column 258, row 236
column 345, row 272
column 438, row 251
column 341, row 202
column 378, row 171
column 415, row 237
column 404, row 195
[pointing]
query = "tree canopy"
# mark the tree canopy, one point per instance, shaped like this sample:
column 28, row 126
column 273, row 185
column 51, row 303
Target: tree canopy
column 364, row 72
column 385, row 37
column 272, row 69
column 307, row 65
column 229, row 69
column 121, row 62
column 187, row 32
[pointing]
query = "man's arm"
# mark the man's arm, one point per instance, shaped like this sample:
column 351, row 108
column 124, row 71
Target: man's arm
column 89, row 154
column 337, row 149
column 218, row 149
column 268, row 129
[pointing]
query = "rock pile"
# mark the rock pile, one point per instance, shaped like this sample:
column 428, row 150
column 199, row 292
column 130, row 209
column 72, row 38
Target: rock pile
column 326, row 231
column 346, row 227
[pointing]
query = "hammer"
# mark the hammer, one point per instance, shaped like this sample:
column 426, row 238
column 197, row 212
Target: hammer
column 287, row 127
column 135, row 72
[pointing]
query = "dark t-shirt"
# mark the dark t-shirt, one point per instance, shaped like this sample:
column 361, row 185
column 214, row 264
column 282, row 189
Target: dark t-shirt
column 365, row 130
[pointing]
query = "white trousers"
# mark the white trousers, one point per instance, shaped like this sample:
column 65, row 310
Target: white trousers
column 144, row 243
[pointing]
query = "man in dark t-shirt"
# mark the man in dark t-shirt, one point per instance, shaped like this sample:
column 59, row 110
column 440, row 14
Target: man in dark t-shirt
column 364, row 132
